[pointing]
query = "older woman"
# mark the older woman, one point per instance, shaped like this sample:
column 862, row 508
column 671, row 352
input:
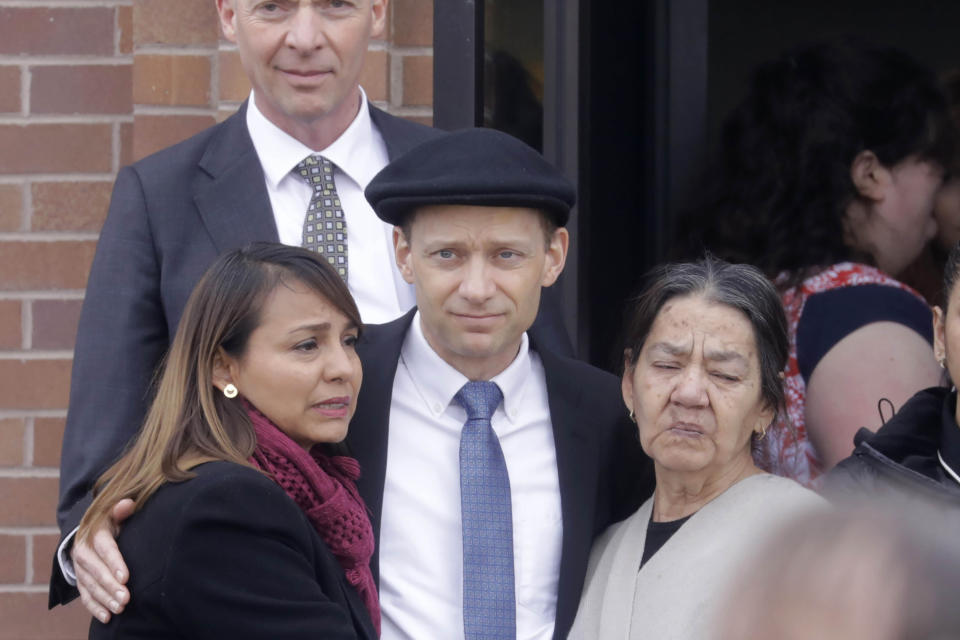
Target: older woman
column 707, row 345
column 248, row 524
column 828, row 173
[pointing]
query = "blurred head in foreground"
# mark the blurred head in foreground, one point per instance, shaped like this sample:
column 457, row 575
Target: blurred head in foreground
column 864, row 574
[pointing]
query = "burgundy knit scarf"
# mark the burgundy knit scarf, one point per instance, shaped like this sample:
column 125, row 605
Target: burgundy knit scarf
column 324, row 487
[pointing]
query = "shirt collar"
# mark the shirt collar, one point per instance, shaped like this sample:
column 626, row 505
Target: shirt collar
column 438, row 382
column 279, row 152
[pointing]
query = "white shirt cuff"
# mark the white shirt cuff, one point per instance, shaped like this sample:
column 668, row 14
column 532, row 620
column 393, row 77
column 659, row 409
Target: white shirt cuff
column 63, row 558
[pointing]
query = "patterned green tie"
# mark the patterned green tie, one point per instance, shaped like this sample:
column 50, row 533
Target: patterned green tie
column 324, row 227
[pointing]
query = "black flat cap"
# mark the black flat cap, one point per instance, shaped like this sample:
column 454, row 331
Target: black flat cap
column 483, row 167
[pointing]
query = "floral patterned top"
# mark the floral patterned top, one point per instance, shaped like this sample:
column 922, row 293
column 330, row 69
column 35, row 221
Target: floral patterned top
column 787, row 451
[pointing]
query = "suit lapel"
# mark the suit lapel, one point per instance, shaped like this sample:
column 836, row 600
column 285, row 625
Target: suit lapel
column 398, row 134
column 233, row 200
column 577, row 471
column 379, row 351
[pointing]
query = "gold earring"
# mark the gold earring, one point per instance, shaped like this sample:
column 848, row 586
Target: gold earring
column 763, row 433
column 230, row 390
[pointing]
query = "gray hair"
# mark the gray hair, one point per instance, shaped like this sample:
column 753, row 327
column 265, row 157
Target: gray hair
column 739, row 286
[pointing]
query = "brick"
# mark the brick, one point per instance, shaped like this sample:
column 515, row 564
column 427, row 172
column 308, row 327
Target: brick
column 125, row 28
column 234, row 84
column 99, row 89
column 57, row 31
column 69, row 206
column 54, row 265
column 375, row 75
column 28, row 502
column 13, row 559
column 175, row 22
column 126, row 143
column 44, row 549
column 171, row 80
column 413, row 22
column 25, row 616
column 34, row 384
column 152, row 133
column 55, row 148
column 47, row 440
column 418, row 80
column 11, row 207
column 11, row 334
column 12, row 432
column 55, row 323
column 10, row 90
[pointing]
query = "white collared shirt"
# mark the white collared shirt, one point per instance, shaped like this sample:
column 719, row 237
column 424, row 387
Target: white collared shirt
column 359, row 154
column 421, row 550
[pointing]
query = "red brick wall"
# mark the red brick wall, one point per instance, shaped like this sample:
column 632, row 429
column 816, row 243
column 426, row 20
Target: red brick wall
column 87, row 86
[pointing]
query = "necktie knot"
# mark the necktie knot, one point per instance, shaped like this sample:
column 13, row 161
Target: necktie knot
column 315, row 170
column 479, row 399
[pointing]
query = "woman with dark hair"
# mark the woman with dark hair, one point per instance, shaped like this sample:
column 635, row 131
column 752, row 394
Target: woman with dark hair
column 248, row 521
column 827, row 176
column 706, row 345
column 916, row 454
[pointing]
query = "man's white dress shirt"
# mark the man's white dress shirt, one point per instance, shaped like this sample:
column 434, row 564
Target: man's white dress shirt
column 358, row 155
column 421, row 550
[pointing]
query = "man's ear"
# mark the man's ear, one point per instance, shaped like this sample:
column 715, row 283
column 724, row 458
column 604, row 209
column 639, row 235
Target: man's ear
column 402, row 252
column 222, row 365
column 556, row 256
column 870, row 178
column 228, row 14
column 378, row 25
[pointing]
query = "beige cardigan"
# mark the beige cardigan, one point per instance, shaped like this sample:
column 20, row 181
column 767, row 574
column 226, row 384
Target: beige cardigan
column 676, row 593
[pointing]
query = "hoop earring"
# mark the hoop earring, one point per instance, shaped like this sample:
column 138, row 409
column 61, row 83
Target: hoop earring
column 632, row 417
column 230, row 390
column 763, row 434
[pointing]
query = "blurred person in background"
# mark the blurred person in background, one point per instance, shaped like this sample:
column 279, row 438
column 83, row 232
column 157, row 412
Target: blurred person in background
column 707, row 344
column 916, row 454
column 926, row 273
column 826, row 180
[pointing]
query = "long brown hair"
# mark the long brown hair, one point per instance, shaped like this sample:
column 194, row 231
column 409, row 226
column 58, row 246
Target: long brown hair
column 189, row 421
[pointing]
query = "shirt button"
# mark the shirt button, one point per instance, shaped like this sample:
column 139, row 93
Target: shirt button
column 437, row 408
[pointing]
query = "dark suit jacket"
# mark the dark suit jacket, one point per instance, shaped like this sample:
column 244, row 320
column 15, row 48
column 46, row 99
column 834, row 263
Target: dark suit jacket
column 170, row 216
column 228, row 554
column 604, row 475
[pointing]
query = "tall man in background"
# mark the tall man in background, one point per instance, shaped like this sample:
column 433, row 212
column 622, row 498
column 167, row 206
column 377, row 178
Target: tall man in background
column 252, row 177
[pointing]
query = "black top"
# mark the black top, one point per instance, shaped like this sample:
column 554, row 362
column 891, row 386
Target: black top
column 657, row 535
column 228, row 554
column 929, row 465
column 901, row 458
column 830, row 316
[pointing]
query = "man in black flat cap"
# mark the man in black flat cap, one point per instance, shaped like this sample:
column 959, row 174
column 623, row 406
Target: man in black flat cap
column 489, row 463
column 479, row 230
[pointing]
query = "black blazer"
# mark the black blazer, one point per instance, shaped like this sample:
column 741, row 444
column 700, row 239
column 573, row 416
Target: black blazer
column 228, row 554
column 170, row 216
column 604, row 475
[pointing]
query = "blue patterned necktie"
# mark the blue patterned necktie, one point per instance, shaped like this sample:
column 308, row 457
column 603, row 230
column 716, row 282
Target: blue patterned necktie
column 324, row 227
column 489, row 605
